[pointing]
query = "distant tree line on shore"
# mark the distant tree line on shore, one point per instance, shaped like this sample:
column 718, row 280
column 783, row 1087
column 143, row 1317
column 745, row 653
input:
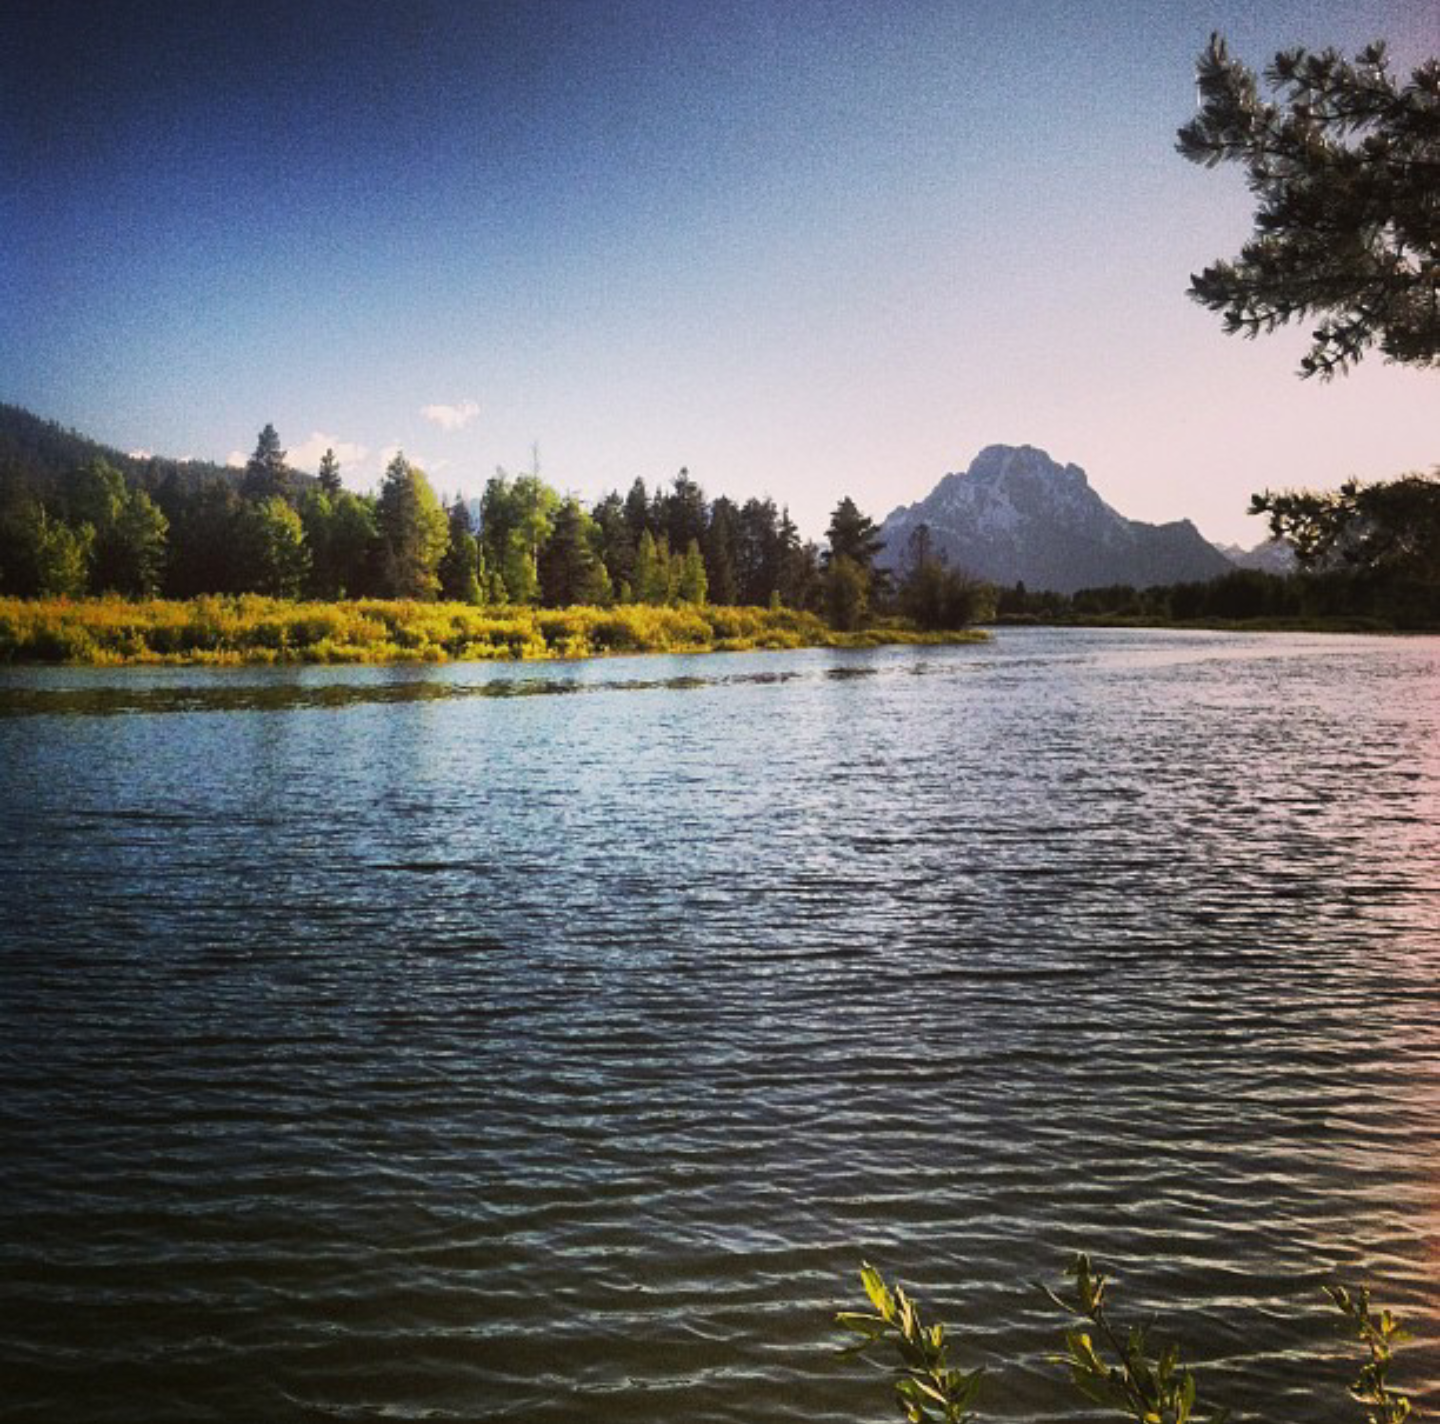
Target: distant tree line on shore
column 87, row 529
column 1365, row 553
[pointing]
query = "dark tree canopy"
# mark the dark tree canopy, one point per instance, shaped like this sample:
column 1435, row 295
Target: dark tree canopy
column 265, row 472
column 853, row 535
column 329, row 473
column 1345, row 166
column 1390, row 528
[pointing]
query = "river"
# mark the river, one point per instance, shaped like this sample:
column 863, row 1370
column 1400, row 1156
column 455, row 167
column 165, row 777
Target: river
column 553, row 1042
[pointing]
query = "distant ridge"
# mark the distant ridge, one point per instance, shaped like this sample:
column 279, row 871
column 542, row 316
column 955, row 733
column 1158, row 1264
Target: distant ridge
column 1271, row 556
column 1017, row 516
column 41, row 456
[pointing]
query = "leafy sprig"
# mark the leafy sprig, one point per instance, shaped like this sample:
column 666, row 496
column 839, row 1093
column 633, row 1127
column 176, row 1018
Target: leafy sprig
column 927, row 1389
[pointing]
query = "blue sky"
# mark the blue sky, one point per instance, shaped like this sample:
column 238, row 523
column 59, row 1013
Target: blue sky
column 803, row 247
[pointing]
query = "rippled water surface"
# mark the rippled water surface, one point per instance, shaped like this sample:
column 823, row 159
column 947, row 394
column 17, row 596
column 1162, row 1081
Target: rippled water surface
column 552, row 1043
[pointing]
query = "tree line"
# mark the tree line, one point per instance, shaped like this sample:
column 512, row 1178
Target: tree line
column 278, row 532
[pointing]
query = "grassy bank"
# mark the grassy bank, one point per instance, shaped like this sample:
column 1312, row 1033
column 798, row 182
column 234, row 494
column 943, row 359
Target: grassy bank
column 251, row 629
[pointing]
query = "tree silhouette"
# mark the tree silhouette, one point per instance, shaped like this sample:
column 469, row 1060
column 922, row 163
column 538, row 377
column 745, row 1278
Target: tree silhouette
column 1345, row 165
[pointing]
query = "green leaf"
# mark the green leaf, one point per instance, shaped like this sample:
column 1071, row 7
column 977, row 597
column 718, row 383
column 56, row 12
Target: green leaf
column 878, row 1292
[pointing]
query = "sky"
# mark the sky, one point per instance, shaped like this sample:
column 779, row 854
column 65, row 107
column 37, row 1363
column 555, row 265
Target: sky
column 804, row 248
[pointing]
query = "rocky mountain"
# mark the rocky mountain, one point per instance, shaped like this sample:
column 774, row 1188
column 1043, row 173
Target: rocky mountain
column 1016, row 516
column 1273, row 556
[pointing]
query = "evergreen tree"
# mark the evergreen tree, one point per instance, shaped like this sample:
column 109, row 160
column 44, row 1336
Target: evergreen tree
column 460, row 566
column 207, row 548
column 851, row 580
column 617, row 544
column 853, row 536
column 414, row 533
column 1345, row 164
column 329, row 473
column 758, row 549
column 684, row 513
column 934, row 595
column 637, row 511
column 570, row 570
column 796, row 569
column 719, row 548
column 265, row 471
column 1383, row 530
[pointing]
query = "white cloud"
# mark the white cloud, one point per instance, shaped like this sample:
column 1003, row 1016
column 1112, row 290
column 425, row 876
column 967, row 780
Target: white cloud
column 141, row 454
column 451, row 417
column 306, row 455
column 237, row 459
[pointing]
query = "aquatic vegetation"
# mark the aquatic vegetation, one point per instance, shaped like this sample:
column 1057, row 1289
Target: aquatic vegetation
column 251, row 628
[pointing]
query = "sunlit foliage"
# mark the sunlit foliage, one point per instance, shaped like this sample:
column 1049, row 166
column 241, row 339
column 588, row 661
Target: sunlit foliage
column 250, row 628
column 414, row 532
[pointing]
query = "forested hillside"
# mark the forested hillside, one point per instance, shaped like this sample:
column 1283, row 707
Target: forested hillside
column 79, row 518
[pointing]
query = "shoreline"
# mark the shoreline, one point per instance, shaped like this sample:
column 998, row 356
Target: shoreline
column 250, row 629
column 1341, row 623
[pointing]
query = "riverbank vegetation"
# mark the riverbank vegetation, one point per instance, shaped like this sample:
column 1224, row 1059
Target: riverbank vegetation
column 105, row 560
column 251, row 628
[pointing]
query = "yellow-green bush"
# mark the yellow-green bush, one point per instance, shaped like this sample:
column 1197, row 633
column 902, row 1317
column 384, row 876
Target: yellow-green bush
column 251, row 628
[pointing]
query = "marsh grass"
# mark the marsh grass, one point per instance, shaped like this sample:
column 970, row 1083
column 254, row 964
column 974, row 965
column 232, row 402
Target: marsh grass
column 253, row 629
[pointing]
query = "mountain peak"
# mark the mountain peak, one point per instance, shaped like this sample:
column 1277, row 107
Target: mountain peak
column 1018, row 515
column 999, row 462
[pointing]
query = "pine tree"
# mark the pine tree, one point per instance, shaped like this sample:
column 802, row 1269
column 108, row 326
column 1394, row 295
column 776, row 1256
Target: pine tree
column 414, row 533
column 570, row 571
column 853, row 536
column 719, row 550
column 637, row 511
column 265, row 472
column 459, row 569
column 617, row 546
column 685, row 514
column 329, row 473
column 1345, row 164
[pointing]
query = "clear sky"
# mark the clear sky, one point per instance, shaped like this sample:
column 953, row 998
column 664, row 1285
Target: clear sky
column 803, row 247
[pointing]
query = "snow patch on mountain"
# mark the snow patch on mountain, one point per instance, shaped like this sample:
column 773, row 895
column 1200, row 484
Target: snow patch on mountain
column 1017, row 516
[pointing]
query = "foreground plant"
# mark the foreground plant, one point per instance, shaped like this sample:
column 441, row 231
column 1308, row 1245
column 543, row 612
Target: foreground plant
column 1380, row 1334
column 1149, row 1388
column 927, row 1389
column 1109, row 1366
